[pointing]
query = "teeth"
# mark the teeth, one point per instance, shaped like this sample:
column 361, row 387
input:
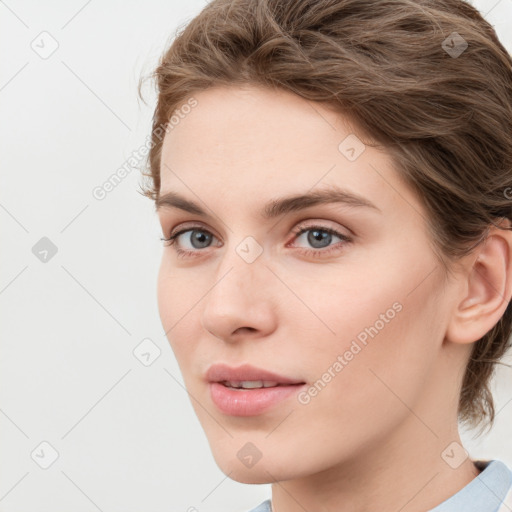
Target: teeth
column 250, row 384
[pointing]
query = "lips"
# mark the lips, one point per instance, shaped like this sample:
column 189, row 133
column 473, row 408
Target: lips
column 266, row 390
column 246, row 372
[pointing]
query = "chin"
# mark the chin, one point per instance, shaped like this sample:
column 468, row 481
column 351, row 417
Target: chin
column 248, row 476
column 244, row 472
column 265, row 471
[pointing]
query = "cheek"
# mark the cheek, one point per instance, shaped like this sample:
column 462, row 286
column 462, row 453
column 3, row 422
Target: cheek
column 176, row 296
column 181, row 294
column 165, row 297
column 382, row 351
column 376, row 308
column 178, row 290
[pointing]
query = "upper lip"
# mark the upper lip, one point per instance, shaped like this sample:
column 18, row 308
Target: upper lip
column 223, row 372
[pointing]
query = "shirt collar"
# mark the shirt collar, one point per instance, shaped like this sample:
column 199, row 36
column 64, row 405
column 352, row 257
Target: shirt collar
column 484, row 493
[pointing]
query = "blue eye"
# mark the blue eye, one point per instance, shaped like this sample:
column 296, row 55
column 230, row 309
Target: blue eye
column 201, row 236
column 320, row 237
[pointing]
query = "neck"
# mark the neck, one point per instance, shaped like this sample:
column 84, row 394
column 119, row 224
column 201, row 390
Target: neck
column 411, row 472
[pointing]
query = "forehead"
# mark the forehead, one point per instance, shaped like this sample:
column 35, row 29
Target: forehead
column 242, row 143
column 256, row 122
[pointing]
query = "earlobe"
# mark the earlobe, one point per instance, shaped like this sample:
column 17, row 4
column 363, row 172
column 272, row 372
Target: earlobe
column 487, row 288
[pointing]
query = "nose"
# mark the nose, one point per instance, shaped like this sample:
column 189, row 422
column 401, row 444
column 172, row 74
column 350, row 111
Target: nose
column 240, row 301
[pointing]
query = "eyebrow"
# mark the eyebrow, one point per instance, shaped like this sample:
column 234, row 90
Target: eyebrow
column 275, row 207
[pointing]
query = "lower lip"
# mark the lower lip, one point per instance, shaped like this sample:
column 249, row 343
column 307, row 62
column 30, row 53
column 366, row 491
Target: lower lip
column 249, row 402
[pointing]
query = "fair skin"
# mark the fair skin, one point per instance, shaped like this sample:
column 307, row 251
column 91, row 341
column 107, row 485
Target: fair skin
column 373, row 438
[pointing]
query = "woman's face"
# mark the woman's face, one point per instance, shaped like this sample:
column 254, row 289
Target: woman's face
column 357, row 315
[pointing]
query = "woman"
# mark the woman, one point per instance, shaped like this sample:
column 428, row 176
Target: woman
column 333, row 180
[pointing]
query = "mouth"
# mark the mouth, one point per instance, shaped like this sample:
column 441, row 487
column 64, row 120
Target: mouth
column 233, row 401
column 247, row 390
column 255, row 384
column 247, row 376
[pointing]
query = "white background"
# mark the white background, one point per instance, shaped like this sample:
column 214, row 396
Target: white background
column 126, row 434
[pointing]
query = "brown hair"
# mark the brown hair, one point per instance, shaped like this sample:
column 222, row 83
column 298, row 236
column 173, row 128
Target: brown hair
column 395, row 68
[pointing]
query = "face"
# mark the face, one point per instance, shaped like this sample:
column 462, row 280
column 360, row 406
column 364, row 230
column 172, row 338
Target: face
column 345, row 297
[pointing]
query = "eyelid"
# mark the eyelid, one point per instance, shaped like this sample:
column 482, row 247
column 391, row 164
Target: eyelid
column 300, row 225
column 192, row 224
column 320, row 224
column 299, row 230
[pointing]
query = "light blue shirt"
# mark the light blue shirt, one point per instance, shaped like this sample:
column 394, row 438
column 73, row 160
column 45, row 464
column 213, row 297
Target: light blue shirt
column 485, row 493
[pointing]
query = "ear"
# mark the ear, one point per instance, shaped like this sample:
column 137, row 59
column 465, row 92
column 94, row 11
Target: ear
column 486, row 290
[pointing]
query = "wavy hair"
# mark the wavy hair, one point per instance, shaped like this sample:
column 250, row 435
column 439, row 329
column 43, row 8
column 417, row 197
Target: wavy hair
column 426, row 79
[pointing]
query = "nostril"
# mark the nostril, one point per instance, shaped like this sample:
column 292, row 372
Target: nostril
column 243, row 329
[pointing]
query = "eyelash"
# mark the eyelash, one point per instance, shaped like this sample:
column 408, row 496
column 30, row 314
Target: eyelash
column 182, row 253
